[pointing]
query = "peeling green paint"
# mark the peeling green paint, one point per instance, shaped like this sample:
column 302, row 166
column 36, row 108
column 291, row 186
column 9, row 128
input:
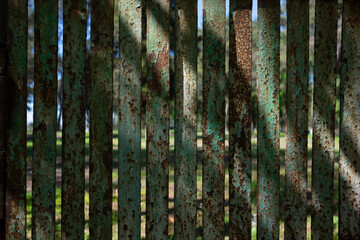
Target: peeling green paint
column 297, row 119
column 268, row 154
column 349, row 209
column 185, row 119
column 157, row 119
column 324, row 119
column 73, row 135
column 130, row 119
column 213, row 119
column 45, row 110
column 240, row 120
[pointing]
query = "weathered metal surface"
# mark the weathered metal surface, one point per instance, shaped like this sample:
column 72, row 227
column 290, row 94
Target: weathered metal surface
column 349, row 211
column 73, row 135
column 101, row 110
column 157, row 119
column 3, row 111
column 3, row 130
column 185, row 118
column 324, row 119
column 268, row 154
column 45, row 110
column 297, row 118
column 130, row 119
column 240, row 119
column 213, row 119
column 16, row 148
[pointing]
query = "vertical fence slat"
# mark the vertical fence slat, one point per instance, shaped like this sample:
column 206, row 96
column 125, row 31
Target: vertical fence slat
column 213, row 119
column 349, row 225
column 73, row 135
column 185, row 119
column 240, row 119
column 268, row 153
column 130, row 119
column 45, row 108
column 157, row 119
column 101, row 109
column 324, row 119
column 297, row 118
column 3, row 110
column 16, row 158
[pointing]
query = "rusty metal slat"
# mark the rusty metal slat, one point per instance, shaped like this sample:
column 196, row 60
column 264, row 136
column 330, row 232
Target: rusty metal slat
column 3, row 130
column 73, row 135
column 3, row 111
column 130, row 119
column 213, row 119
column 268, row 154
column 349, row 211
column 157, row 119
column 101, row 110
column 324, row 119
column 45, row 109
column 297, row 118
column 16, row 148
column 240, row 119
column 185, row 119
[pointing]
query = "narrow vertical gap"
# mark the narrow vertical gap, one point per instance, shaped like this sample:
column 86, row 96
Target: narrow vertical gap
column 143, row 115
column 199, row 118
column 283, row 119
column 337, row 122
column 227, row 77
column 254, row 44
column 87, row 117
column 59, row 122
column 115, row 140
column 311, row 93
column 171, row 203
column 30, row 115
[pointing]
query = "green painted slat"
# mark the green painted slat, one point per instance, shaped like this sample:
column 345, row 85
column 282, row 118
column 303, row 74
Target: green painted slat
column 268, row 154
column 101, row 110
column 73, row 135
column 349, row 211
column 297, row 119
column 185, row 118
column 16, row 158
column 213, row 119
column 240, row 119
column 45, row 110
column 130, row 119
column 324, row 119
column 157, row 119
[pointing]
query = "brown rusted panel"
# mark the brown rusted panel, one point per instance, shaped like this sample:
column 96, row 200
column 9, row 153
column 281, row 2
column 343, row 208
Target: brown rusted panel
column 268, row 154
column 240, row 119
column 16, row 145
column 185, row 119
column 101, row 110
column 213, row 119
column 73, row 134
column 297, row 118
column 157, row 119
column 324, row 119
column 130, row 119
column 349, row 211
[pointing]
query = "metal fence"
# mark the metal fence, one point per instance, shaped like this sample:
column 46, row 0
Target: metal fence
column 13, row 104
